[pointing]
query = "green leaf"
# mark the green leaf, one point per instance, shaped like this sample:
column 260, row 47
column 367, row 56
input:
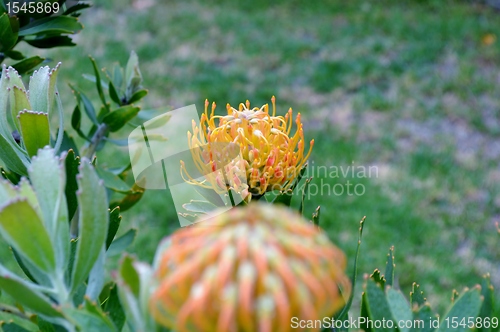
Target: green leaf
column 79, row 6
column 417, row 296
column 133, row 77
column 378, row 278
column 8, row 37
column 28, row 64
column 113, row 93
column 93, row 221
column 119, row 245
column 377, row 305
column 13, row 327
column 71, row 163
column 487, row 293
column 18, row 102
column 92, row 79
column 304, row 194
column 134, row 280
column 98, row 82
column 113, row 182
column 389, row 267
column 128, row 275
column 343, row 313
column 25, row 190
column 199, row 206
column 49, row 181
column 88, row 321
column 87, row 104
column 22, row 228
column 52, row 25
column 35, row 131
column 27, row 271
column 44, row 326
column 137, row 96
column 286, row 196
column 399, row 307
column 119, row 117
column 38, row 88
column 117, row 76
column 467, row 305
column 129, row 200
column 76, row 121
column 50, row 42
column 424, row 316
column 364, row 313
column 69, row 271
column 26, row 293
column 7, row 191
column 68, row 143
column 60, row 114
column 114, row 308
column 114, row 223
column 95, row 281
column 15, row 55
column 42, row 89
column 11, row 158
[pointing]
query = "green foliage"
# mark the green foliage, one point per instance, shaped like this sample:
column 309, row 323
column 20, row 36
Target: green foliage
column 28, row 117
column 21, row 22
column 382, row 302
column 135, row 285
column 34, row 221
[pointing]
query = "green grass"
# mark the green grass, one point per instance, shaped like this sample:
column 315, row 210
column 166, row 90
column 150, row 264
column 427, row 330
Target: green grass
column 406, row 86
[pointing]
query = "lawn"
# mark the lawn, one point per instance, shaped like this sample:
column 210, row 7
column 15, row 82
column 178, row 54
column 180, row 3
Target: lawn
column 409, row 88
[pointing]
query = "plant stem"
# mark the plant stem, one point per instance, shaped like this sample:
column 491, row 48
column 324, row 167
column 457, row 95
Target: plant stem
column 90, row 148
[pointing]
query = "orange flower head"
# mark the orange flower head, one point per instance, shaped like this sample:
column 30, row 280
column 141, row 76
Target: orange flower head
column 252, row 268
column 271, row 157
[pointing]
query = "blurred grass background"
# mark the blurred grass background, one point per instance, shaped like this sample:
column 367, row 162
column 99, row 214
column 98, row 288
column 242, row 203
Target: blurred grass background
column 411, row 87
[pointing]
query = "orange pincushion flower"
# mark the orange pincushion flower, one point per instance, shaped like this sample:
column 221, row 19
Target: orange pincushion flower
column 271, row 156
column 252, row 268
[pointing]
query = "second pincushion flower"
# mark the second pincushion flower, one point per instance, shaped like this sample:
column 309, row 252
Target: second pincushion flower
column 271, row 157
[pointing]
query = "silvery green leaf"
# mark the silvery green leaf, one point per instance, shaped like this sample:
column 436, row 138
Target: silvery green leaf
column 13, row 158
column 399, row 306
column 133, row 76
column 48, row 177
column 7, row 191
column 18, row 102
column 96, row 277
column 467, row 305
column 135, row 286
column 21, row 227
column 92, row 222
column 42, row 88
column 119, row 245
column 38, row 90
column 27, row 294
